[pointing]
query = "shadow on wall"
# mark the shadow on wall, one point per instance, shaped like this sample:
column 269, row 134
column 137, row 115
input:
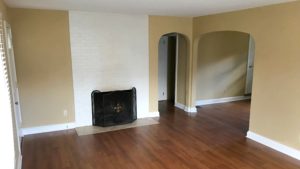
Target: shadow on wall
column 224, row 65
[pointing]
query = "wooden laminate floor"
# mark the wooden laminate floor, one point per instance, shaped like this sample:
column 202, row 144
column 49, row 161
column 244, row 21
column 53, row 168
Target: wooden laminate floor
column 214, row 138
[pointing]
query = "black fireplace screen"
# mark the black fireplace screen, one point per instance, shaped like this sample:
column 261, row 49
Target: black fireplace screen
column 113, row 107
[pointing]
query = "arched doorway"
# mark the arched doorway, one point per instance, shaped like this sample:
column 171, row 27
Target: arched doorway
column 172, row 69
column 224, row 71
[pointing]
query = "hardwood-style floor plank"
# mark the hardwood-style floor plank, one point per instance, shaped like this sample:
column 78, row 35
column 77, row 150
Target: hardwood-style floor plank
column 213, row 138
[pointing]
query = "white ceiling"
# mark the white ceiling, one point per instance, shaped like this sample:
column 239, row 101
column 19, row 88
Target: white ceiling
column 149, row 7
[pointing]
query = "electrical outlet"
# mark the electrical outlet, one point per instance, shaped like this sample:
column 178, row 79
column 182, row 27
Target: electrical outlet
column 65, row 113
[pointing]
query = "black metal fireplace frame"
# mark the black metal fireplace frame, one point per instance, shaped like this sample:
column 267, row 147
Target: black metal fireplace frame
column 100, row 112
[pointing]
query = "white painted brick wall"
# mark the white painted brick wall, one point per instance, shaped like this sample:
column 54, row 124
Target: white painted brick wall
column 109, row 52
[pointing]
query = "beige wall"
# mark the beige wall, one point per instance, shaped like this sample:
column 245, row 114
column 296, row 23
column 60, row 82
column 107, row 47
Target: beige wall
column 222, row 65
column 43, row 62
column 275, row 111
column 3, row 10
column 158, row 26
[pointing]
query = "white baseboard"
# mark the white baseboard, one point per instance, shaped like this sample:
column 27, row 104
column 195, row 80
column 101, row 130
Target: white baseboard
column 185, row 108
column 221, row 100
column 190, row 109
column 274, row 145
column 83, row 124
column 150, row 114
column 47, row 128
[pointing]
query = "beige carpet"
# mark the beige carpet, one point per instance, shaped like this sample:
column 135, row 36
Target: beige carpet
column 95, row 129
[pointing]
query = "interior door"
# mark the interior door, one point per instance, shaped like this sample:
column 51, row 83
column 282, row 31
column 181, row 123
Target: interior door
column 13, row 79
column 250, row 66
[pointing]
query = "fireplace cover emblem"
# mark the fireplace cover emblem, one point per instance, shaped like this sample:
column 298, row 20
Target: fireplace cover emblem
column 118, row 108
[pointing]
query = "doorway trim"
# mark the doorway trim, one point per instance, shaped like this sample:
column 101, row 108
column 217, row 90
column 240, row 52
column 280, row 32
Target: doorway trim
column 176, row 67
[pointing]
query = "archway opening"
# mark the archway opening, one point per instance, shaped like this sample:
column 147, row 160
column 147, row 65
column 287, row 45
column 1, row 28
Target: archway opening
column 225, row 62
column 172, row 69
